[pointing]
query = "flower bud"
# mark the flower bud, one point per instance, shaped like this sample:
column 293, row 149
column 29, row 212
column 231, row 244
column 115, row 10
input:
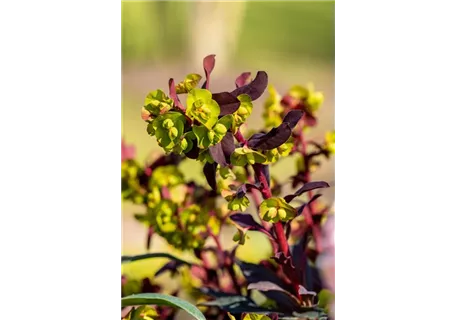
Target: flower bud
column 220, row 128
column 184, row 144
column 168, row 123
column 172, row 133
column 211, row 135
column 250, row 158
column 242, row 111
column 282, row 213
column 272, row 212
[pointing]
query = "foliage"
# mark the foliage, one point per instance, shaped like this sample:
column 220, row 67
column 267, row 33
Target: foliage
column 209, row 129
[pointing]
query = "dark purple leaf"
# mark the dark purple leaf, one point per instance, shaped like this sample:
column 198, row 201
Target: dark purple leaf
column 301, row 208
column 194, row 151
column 165, row 160
column 235, row 305
column 293, row 117
column 299, row 258
column 208, row 65
column 217, row 154
column 150, row 233
column 241, row 191
column 170, row 266
column 243, row 79
column 228, row 145
column 209, row 171
column 228, row 103
column 246, row 221
column 261, row 170
column 271, row 140
column 255, row 88
column 217, row 294
column 265, row 286
column 288, row 267
column 173, row 94
column 305, row 188
column 255, row 273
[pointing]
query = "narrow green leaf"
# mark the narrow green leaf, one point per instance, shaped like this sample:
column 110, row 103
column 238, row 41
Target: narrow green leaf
column 162, row 300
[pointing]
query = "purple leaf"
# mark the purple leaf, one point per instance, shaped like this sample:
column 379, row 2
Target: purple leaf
column 246, row 221
column 235, row 304
column 173, row 94
column 271, row 140
column 150, row 233
column 243, row 79
column 209, row 171
column 228, row 103
column 170, row 266
column 194, row 151
column 301, row 208
column 306, row 188
column 208, row 65
column 287, row 264
column 255, row 88
column 228, row 145
column 293, row 117
column 265, row 286
column 217, row 154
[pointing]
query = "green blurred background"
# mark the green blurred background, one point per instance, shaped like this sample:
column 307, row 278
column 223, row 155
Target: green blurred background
column 292, row 41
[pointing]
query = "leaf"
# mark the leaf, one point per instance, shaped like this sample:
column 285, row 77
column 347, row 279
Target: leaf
column 265, row 286
column 228, row 146
column 228, row 103
column 208, row 65
column 306, row 188
column 173, row 94
column 288, row 266
column 162, row 300
column 218, row 155
column 255, row 88
column 246, row 221
column 293, row 117
column 151, row 256
column 150, row 233
column 243, row 79
column 301, row 208
column 209, row 172
column 235, row 304
column 170, row 266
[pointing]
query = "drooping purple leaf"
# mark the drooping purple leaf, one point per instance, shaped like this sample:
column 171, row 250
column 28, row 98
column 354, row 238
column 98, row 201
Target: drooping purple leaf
column 209, row 171
column 194, row 151
column 246, row 221
column 271, row 140
column 173, row 94
column 243, row 79
column 306, row 188
column 302, row 207
column 293, row 117
column 208, row 65
column 228, row 103
column 255, row 88
column 257, row 272
column 217, row 154
column 265, row 286
column 228, row 145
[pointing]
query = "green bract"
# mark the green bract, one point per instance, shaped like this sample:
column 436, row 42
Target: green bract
column 167, row 176
column 190, row 82
column 243, row 156
column 330, row 140
column 275, row 209
column 244, row 111
column 208, row 137
column 202, row 107
column 237, row 204
column 168, row 128
column 273, row 108
column 240, row 237
column 157, row 102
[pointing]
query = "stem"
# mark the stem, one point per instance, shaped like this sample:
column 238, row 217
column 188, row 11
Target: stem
column 238, row 135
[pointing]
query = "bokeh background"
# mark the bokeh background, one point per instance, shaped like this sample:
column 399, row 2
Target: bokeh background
column 292, row 41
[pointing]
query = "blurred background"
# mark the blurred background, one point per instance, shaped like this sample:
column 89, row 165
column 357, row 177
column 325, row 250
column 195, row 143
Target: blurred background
column 292, row 41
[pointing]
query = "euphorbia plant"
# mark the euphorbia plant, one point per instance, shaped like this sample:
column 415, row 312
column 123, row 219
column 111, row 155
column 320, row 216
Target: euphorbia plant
column 210, row 128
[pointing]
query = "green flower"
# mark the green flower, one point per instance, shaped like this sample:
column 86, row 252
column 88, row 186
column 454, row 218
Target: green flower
column 205, row 156
column 275, row 209
column 273, row 108
column 240, row 237
column 166, row 220
column 236, row 203
column 167, row 176
column 243, row 156
column 190, row 82
column 202, row 107
column 157, row 102
column 168, row 128
column 244, row 111
column 209, row 137
column 330, row 141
